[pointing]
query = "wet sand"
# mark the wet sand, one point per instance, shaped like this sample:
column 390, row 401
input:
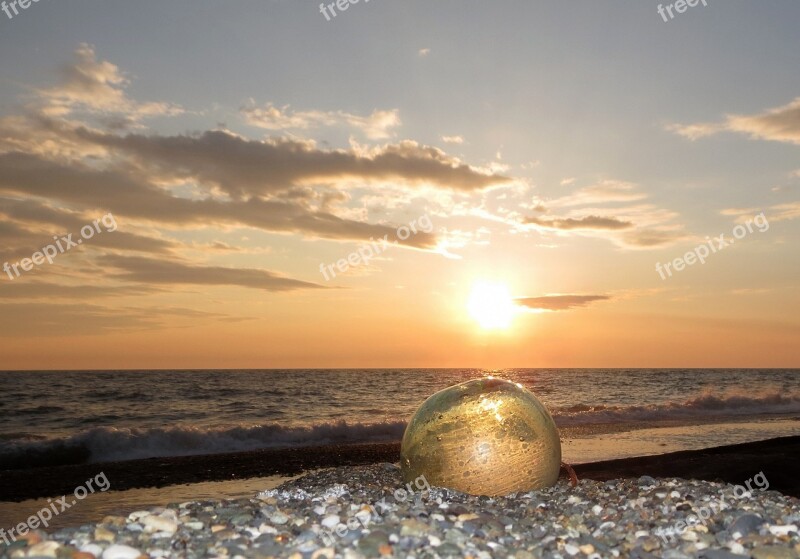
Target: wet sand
column 734, row 464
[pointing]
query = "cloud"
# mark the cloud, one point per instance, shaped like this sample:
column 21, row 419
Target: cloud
column 129, row 195
column 31, row 223
column 559, row 302
column 59, row 170
column 48, row 290
column 54, row 319
column 376, row 126
column 612, row 210
column 276, row 185
column 153, row 271
column 653, row 237
column 604, row 192
column 98, row 86
column 453, row 139
column 423, row 52
column 696, row 131
column 774, row 213
column 241, row 166
column 588, row 222
column 780, row 124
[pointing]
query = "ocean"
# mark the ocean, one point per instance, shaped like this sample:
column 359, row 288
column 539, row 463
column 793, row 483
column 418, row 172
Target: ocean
column 67, row 417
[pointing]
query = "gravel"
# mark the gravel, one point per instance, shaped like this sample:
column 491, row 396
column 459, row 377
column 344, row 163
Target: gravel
column 369, row 512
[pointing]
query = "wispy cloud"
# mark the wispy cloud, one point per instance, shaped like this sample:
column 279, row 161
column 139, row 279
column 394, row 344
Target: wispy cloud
column 377, row 126
column 603, row 192
column 587, row 222
column 559, row 302
column 780, row 124
column 99, row 87
column 31, row 224
column 159, row 272
column 775, row 212
column 609, row 209
column 453, row 139
column 59, row 319
column 50, row 291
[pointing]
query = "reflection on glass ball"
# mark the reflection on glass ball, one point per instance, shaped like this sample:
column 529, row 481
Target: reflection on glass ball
column 484, row 437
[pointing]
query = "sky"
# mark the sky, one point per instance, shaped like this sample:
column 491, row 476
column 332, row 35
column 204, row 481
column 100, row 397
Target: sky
column 259, row 184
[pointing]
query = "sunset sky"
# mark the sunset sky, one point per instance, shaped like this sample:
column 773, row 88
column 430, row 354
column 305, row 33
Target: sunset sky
column 559, row 150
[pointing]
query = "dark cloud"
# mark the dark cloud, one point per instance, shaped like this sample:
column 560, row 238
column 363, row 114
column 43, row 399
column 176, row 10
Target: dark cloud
column 128, row 195
column 648, row 238
column 39, row 220
column 588, row 222
column 559, row 302
column 160, row 272
column 21, row 289
column 243, row 167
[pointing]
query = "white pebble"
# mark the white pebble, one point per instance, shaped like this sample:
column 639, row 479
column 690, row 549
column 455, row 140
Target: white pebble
column 44, row 549
column 689, row 536
column 138, row 515
column 160, row 524
column 783, row 530
column 571, row 549
column 597, row 509
column 92, row 548
column 330, row 521
column 121, row 552
column 435, row 542
column 737, row 548
column 267, row 529
column 171, row 514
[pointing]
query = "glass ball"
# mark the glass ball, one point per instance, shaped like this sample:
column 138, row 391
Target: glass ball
column 484, row 437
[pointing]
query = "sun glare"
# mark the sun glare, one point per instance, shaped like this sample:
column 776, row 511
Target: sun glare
column 491, row 305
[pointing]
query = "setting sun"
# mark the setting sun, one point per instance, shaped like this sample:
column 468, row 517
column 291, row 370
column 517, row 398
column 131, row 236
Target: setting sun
column 491, row 305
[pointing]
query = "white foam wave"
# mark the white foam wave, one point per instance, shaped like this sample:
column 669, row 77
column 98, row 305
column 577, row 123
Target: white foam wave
column 114, row 444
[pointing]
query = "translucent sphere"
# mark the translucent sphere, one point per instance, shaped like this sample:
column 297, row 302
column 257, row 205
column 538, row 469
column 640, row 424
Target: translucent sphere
column 484, row 437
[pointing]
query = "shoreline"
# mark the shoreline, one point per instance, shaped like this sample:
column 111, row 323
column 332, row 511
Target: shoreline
column 733, row 464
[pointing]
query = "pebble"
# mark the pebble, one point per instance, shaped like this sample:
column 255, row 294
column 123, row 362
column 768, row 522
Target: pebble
column 154, row 523
column 614, row 519
column 746, row 524
column 103, row 534
column 44, row 549
column 331, row 521
column 117, row 551
column 782, row 530
column 92, row 549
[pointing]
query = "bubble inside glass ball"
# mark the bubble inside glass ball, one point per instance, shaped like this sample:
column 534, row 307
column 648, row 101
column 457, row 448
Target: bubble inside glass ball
column 484, row 437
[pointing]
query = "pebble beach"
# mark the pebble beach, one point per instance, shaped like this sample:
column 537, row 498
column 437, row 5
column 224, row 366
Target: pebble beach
column 368, row 511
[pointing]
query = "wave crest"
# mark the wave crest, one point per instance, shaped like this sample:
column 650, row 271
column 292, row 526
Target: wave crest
column 104, row 444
